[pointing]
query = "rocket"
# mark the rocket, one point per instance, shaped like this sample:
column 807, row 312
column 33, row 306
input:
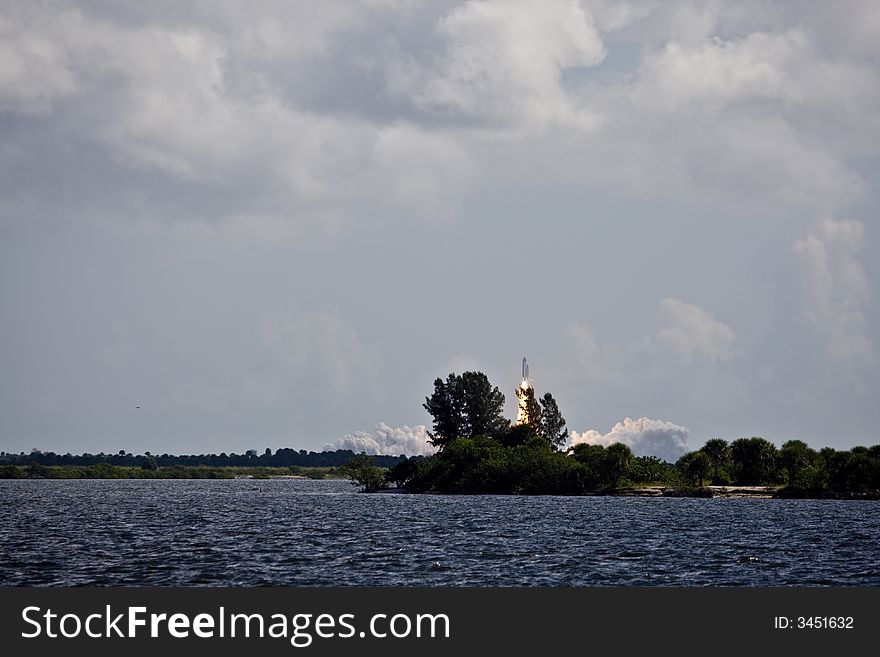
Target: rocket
column 522, row 411
column 525, row 375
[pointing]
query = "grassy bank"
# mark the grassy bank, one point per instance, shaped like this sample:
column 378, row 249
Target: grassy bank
column 107, row 471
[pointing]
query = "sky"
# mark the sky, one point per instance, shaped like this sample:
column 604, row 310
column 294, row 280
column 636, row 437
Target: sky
column 274, row 224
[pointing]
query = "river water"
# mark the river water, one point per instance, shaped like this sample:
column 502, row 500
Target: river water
column 301, row 532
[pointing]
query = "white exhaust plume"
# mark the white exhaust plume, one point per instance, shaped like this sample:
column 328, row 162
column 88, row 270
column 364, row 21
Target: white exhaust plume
column 645, row 437
column 385, row 439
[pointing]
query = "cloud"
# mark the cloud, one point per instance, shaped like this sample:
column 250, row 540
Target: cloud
column 216, row 116
column 644, row 436
column 721, row 72
column 734, row 103
column 504, row 62
column 385, row 439
column 412, row 165
column 34, row 72
column 376, row 142
column 836, row 289
column 688, row 333
column 323, row 347
column 692, row 333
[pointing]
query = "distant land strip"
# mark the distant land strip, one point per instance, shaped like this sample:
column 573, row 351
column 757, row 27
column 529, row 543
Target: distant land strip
column 280, row 458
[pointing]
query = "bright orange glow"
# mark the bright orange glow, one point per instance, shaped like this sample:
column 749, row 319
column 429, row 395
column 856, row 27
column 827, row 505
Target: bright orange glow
column 521, row 407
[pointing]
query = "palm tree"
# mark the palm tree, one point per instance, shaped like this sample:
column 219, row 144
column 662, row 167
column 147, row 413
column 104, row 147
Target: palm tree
column 718, row 452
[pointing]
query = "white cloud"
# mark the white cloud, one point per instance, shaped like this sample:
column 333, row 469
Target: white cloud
column 836, row 288
column 504, row 62
column 732, row 103
column 719, row 72
column 656, row 23
column 211, row 104
column 688, row 333
column 683, row 364
column 692, row 333
column 644, row 436
column 611, row 15
column 224, row 101
column 385, row 439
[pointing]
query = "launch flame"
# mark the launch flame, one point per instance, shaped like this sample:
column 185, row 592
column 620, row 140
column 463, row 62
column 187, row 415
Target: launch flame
column 525, row 384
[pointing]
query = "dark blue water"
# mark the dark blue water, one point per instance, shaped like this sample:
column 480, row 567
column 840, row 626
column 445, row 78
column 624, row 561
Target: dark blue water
column 299, row 532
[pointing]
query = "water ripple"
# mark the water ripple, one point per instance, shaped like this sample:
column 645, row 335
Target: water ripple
column 300, row 532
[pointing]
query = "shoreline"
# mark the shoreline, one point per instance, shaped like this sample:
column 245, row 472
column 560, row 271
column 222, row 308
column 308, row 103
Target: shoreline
column 706, row 492
column 724, row 492
column 107, row 473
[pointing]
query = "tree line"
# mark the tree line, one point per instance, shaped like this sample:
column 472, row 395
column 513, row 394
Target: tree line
column 107, row 471
column 281, row 458
column 795, row 465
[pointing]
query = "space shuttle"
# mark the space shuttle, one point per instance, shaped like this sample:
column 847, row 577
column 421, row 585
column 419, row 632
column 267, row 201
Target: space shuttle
column 522, row 394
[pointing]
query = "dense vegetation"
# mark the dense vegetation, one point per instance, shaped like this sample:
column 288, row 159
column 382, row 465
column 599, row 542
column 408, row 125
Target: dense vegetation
column 107, row 471
column 795, row 465
column 485, row 465
column 482, row 452
column 124, row 465
column 282, row 458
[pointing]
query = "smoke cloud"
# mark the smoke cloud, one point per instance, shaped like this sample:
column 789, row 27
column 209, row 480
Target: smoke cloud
column 385, row 439
column 646, row 437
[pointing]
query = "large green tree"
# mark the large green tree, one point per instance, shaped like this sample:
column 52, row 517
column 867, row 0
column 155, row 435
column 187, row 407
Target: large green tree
column 362, row 470
column 617, row 460
column 446, row 407
column 754, row 460
column 693, row 467
column 590, row 455
column 856, row 470
column 552, row 422
column 718, row 451
column 795, row 456
column 518, row 434
column 465, row 406
column 483, row 406
column 648, row 470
